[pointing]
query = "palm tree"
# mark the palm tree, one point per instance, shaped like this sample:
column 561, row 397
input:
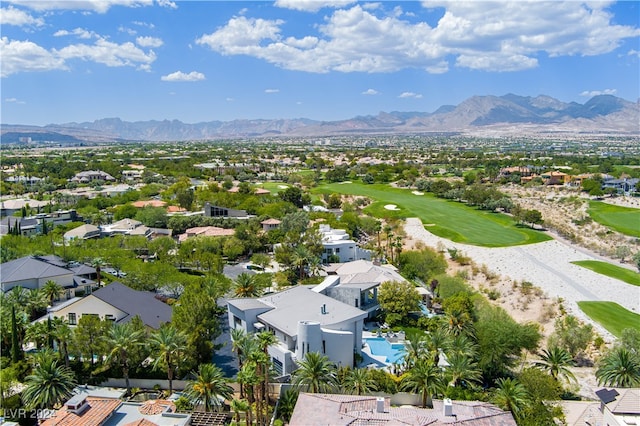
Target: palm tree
column 241, row 406
column 246, row 286
column 438, row 340
column 52, row 290
column 359, row 382
column 48, row 385
column 620, row 367
column 237, row 336
column 98, row 263
column 462, row 345
column 424, row 378
column 286, row 404
column 415, row 346
column 461, row 369
column 208, row 386
column 316, row 373
column 37, row 333
column 511, row 395
column 121, row 340
column 63, row 334
column 266, row 339
column 459, row 322
column 170, row 345
column 556, row 361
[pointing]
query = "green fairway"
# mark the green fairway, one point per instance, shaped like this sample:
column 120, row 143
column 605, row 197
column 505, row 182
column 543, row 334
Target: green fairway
column 611, row 316
column 625, row 220
column 448, row 219
column 613, row 271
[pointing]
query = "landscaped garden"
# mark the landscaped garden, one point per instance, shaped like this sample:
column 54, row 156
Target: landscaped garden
column 611, row 316
column 622, row 219
column 613, row 271
column 447, row 219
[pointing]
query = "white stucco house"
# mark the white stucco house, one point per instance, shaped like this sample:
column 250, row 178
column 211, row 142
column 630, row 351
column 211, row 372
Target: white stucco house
column 337, row 243
column 303, row 321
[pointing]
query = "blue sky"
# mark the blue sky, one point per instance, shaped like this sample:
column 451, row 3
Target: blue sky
column 81, row 60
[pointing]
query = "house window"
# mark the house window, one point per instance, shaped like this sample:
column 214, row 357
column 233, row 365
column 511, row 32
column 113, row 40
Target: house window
column 324, row 347
column 357, row 303
column 110, row 317
column 338, row 250
column 237, row 322
column 72, row 318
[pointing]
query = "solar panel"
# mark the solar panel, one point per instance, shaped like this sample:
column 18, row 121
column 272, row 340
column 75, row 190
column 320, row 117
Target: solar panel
column 607, row 395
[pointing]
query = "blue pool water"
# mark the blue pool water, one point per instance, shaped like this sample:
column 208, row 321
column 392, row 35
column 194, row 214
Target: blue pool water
column 394, row 352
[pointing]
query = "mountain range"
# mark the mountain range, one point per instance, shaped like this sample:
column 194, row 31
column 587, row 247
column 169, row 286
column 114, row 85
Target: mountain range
column 482, row 115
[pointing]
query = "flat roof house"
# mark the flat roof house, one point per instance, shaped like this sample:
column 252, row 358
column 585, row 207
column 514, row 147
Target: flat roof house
column 303, row 321
column 337, row 244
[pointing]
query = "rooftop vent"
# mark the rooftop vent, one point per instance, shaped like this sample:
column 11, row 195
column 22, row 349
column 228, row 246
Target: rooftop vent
column 447, row 407
column 380, row 404
column 77, row 404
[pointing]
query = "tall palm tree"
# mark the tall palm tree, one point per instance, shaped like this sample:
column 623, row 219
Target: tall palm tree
column 98, row 263
column 316, row 373
column 511, row 395
column 463, row 345
column 37, row 333
column 438, row 341
column 208, row 386
column 63, row 334
column 266, row 339
column 246, row 286
column 52, row 290
column 237, row 336
column 461, row 369
column 170, row 346
column 359, row 382
column 424, row 378
column 556, row 361
column 459, row 322
column 48, row 385
column 122, row 339
column 620, row 367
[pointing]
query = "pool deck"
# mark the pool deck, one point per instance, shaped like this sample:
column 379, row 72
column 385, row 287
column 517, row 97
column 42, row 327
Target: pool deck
column 377, row 361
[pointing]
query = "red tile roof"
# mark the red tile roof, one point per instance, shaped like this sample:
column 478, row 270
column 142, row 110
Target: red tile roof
column 98, row 411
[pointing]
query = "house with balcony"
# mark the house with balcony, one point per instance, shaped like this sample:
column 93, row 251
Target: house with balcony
column 303, row 321
column 92, row 176
column 356, row 283
column 338, row 247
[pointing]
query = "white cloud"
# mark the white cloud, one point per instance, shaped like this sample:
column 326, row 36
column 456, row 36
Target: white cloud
column 109, row 53
column 230, row 99
column 312, row 5
column 12, row 16
column 181, row 76
column 18, row 56
column 78, row 32
column 144, row 24
column 410, row 95
column 14, row 101
column 149, row 42
column 99, row 6
column 167, row 3
column 271, row 90
column 129, row 31
column 592, row 93
column 489, row 36
column 370, row 92
column 633, row 52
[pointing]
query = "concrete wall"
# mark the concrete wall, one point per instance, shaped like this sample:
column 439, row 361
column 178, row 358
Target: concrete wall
column 339, row 346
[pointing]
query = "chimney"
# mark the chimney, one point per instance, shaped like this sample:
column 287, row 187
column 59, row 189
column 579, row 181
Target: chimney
column 380, row 404
column 447, row 407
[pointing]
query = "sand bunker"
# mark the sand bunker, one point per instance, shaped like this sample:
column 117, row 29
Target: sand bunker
column 417, row 193
column 282, row 186
column 391, row 207
column 345, row 182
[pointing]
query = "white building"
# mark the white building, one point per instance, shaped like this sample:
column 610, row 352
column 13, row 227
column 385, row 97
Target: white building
column 303, row 321
column 337, row 243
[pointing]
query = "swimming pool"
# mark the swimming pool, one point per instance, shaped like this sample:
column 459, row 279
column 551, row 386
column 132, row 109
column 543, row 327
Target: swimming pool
column 394, row 352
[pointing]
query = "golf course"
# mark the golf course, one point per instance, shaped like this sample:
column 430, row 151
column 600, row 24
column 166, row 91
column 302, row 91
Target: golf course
column 622, row 219
column 444, row 218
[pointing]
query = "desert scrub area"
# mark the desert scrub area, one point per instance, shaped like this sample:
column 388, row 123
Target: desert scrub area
column 567, row 213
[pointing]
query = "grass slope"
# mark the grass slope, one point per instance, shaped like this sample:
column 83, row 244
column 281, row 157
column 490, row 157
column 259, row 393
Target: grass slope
column 611, row 316
column 448, row 219
column 625, row 220
column 613, row 271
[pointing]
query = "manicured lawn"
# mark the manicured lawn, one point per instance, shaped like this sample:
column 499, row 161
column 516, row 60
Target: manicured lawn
column 448, row 219
column 613, row 271
column 622, row 219
column 611, row 316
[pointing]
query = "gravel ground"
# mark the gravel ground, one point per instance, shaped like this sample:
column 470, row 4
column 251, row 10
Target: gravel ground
column 546, row 265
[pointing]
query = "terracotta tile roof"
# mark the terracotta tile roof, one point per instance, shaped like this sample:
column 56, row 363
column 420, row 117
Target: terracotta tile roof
column 206, row 231
column 271, row 222
column 175, row 209
column 141, row 422
column 98, row 411
column 152, row 203
column 157, row 406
